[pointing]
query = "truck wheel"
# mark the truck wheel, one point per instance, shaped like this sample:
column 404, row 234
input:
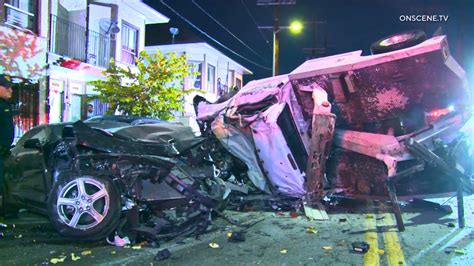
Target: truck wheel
column 398, row 41
column 84, row 207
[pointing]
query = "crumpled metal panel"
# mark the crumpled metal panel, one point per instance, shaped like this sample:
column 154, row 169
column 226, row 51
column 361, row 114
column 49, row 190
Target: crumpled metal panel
column 105, row 142
column 276, row 158
column 241, row 147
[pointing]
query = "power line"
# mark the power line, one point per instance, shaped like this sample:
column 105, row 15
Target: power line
column 208, row 36
column 256, row 25
column 228, row 31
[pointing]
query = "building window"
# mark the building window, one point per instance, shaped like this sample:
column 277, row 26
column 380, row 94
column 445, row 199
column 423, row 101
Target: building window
column 238, row 83
column 21, row 14
column 194, row 80
column 129, row 43
column 211, row 77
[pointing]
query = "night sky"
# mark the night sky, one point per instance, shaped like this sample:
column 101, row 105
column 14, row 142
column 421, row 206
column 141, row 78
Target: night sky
column 348, row 25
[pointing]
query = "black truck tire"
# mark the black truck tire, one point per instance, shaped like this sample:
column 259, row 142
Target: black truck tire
column 398, row 41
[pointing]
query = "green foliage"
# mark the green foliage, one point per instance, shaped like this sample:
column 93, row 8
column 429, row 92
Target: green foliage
column 155, row 90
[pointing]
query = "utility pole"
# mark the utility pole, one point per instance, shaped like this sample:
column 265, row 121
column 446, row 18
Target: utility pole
column 276, row 40
column 276, row 28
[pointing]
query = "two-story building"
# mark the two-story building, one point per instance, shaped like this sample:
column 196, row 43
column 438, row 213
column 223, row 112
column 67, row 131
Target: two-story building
column 85, row 34
column 54, row 47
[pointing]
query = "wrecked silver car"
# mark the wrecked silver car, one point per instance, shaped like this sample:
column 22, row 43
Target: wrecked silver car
column 384, row 125
column 94, row 179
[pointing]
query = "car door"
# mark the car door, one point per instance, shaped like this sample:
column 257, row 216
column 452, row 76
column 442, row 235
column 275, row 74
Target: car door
column 26, row 168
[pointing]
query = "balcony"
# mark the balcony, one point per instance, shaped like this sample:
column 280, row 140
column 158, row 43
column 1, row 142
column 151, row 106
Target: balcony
column 72, row 40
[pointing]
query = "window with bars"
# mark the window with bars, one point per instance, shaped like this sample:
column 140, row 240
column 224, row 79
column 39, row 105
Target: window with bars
column 21, row 14
column 129, row 43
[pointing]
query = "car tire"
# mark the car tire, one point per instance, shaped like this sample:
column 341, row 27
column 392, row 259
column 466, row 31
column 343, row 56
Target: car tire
column 84, row 206
column 398, row 41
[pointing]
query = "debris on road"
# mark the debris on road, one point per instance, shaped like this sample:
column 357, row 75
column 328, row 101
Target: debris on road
column 119, row 241
column 311, row 230
column 360, row 247
column 162, row 254
column 74, row 257
column 460, row 251
column 57, row 260
column 236, row 236
column 86, row 252
column 283, row 251
column 213, row 245
column 420, row 203
column 327, row 247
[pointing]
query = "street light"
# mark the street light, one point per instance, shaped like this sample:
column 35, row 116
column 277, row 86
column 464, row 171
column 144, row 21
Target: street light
column 295, row 27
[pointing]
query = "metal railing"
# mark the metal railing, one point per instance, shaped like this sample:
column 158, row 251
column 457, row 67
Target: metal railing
column 72, row 40
column 19, row 18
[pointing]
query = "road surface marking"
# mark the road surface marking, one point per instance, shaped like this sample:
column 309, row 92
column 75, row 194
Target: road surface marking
column 371, row 258
column 391, row 241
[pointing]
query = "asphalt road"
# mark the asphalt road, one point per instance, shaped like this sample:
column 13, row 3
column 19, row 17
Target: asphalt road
column 275, row 239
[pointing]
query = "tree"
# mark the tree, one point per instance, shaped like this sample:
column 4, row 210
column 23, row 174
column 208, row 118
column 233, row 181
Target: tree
column 154, row 90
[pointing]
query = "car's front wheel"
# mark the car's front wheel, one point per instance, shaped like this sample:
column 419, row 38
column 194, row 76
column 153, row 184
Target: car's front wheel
column 84, row 207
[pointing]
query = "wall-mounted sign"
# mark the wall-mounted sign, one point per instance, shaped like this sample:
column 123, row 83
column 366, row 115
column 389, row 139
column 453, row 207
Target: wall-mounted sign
column 56, row 85
column 76, row 88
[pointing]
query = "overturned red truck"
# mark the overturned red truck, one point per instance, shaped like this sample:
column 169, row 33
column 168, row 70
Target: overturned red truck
column 394, row 123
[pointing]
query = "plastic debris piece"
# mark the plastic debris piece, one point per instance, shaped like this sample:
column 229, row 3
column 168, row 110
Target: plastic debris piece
column 460, row 251
column 2, row 225
column 136, row 247
column 283, row 251
column 311, row 230
column 119, row 242
column 293, row 214
column 280, row 213
column 113, row 252
column 360, row 247
column 74, row 257
column 327, row 247
column 162, row 254
column 86, row 252
column 57, row 260
column 213, row 245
